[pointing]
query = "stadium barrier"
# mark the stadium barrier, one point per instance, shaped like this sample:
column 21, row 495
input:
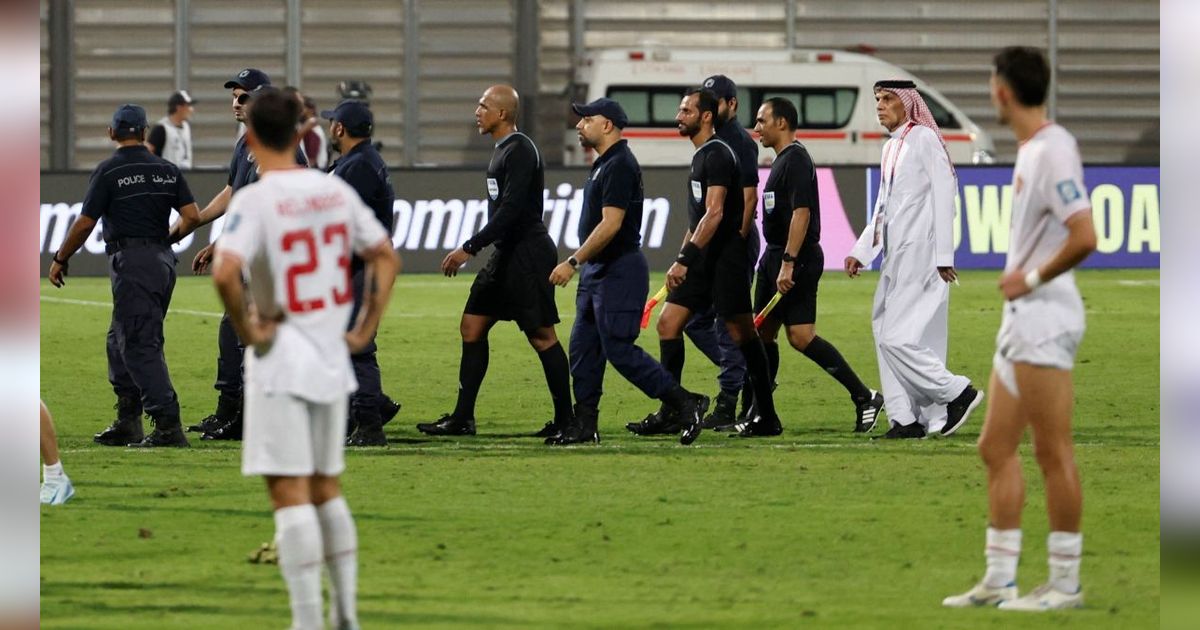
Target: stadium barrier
column 436, row 210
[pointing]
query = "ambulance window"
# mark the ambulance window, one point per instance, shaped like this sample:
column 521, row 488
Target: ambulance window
column 636, row 104
column 941, row 115
column 819, row 110
column 666, row 106
column 745, row 113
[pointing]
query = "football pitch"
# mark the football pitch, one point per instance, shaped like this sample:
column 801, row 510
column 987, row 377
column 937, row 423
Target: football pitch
column 817, row 528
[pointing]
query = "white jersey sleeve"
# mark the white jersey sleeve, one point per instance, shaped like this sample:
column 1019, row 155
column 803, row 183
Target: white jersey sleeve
column 243, row 234
column 1064, row 177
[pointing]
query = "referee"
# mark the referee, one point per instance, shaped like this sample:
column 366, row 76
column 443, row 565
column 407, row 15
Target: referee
column 134, row 192
column 712, row 270
column 361, row 166
column 613, row 283
column 794, row 260
column 514, row 284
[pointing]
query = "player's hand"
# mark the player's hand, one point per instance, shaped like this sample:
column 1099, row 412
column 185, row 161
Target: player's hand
column 676, row 275
column 853, row 266
column 454, row 261
column 358, row 340
column 784, row 282
column 58, row 274
column 1012, row 285
column 261, row 333
column 203, row 259
column 562, row 274
column 948, row 274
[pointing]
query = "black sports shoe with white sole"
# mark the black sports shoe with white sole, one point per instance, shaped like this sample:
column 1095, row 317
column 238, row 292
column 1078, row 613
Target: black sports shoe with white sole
column 960, row 409
column 868, row 413
column 912, row 431
column 692, row 418
column 758, row 427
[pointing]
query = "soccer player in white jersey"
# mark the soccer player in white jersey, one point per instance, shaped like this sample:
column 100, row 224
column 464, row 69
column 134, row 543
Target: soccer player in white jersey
column 1041, row 328
column 292, row 232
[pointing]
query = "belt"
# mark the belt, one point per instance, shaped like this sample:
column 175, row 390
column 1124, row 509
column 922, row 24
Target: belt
column 118, row 244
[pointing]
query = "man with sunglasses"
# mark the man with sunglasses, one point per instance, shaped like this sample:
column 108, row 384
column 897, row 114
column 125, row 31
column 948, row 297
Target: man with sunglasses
column 226, row 422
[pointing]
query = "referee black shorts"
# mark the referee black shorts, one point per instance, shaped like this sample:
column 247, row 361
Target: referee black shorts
column 798, row 306
column 514, row 284
column 720, row 279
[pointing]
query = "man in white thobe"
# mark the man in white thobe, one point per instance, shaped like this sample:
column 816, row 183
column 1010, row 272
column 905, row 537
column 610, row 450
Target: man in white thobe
column 913, row 225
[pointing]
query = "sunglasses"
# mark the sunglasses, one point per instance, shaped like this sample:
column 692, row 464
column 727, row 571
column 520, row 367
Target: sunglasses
column 243, row 98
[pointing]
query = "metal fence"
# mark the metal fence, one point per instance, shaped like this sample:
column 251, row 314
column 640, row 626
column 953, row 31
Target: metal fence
column 428, row 60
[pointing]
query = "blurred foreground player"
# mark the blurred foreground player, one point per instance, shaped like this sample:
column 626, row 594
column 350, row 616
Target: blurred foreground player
column 293, row 233
column 56, row 486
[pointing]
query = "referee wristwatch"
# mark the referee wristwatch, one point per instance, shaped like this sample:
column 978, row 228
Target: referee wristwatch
column 573, row 261
column 788, row 258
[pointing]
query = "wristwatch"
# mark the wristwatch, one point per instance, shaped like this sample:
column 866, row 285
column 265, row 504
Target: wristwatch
column 573, row 262
column 788, row 258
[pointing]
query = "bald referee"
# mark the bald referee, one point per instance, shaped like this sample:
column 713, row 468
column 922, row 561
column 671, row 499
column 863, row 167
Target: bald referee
column 514, row 284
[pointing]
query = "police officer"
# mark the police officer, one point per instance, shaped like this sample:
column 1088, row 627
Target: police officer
column 794, row 260
column 226, row 422
column 613, row 282
column 514, row 284
column 711, row 270
column 361, row 166
column 134, row 191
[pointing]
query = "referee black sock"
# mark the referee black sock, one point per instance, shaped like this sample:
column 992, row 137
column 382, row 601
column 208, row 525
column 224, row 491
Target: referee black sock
column 671, row 354
column 558, row 380
column 825, row 355
column 772, row 349
column 471, row 370
column 760, row 377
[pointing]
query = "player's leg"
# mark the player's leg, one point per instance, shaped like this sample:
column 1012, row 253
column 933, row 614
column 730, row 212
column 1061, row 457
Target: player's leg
column 298, row 535
column 766, row 421
column 555, row 368
column 1003, row 428
column 339, row 534
column 56, row 486
column 472, row 367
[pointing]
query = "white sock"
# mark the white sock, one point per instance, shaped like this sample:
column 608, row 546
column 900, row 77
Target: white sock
column 299, row 534
column 52, row 470
column 1065, row 549
column 341, row 557
column 1002, row 553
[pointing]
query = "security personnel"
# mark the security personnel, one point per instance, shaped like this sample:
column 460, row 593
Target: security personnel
column 362, row 167
column 794, row 260
column 613, row 283
column 171, row 137
column 226, row 422
column 135, row 191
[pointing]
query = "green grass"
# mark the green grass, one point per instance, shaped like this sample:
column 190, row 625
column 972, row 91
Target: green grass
column 819, row 528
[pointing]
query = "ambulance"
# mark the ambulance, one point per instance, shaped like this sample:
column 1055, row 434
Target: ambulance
column 832, row 91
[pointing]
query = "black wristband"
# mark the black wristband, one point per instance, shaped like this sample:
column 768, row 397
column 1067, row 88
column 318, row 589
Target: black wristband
column 788, row 258
column 60, row 262
column 689, row 254
column 470, row 248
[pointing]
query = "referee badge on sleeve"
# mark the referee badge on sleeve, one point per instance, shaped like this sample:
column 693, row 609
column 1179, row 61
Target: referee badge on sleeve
column 697, row 191
column 493, row 188
column 769, row 202
column 1068, row 191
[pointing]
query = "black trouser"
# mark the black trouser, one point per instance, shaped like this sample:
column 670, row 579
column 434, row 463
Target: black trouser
column 143, row 278
column 231, row 351
column 366, row 364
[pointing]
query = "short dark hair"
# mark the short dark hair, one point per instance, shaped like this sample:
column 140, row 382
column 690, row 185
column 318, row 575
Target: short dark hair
column 1025, row 70
column 272, row 115
column 706, row 101
column 783, row 108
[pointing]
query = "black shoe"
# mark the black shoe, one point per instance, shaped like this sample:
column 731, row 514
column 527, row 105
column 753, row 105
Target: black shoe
column 121, row 432
column 580, row 430
column 912, row 431
column 692, row 418
column 366, row 435
column 960, row 409
column 171, row 436
column 209, row 423
column 229, row 431
column 448, row 425
column 758, row 427
column 868, row 413
column 388, row 409
column 662, row 422
column 227, row 408
column 723, row 414
column 552, row 429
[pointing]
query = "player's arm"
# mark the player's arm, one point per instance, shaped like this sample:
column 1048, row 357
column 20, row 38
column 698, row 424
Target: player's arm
column 714, row 211
column 1081, row 241
column 227, row 278
column 601, row 236
column 80, row 230
column 942, row 191
column 519, row 170
column 382, row 265
column 797, row 229
column 750, row 201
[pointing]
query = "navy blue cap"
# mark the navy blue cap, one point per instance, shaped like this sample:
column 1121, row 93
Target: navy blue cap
column 355, row 115
column 249, row 79
column 721, row 85
column 605, row 107
column 129, row 118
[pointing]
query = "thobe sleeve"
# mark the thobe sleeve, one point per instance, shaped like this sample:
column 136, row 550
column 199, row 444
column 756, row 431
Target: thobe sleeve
column 942, row 189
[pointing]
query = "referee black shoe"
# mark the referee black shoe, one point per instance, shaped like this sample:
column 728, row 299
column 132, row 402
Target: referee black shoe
column 960, row 408
column 758, row 427
column 912, row 431
column 723, row 414
column 581, row 429
column 665, row 421
column 692, row 418
column 448, row 425
column 868, row 413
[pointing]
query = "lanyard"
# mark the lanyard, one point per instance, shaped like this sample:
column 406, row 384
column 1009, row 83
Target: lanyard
column 893, row 154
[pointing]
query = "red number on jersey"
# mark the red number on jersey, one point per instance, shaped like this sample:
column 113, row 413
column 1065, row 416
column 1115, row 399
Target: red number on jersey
column 309, row 241
column 339, row 229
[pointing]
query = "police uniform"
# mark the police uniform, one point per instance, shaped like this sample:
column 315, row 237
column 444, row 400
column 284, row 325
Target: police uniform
column 719, row 277
column 792, row 184
column 134, row 192
column 363, row 168
column 514, row 284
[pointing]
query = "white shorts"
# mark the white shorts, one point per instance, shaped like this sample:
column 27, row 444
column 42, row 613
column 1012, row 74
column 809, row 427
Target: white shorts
column 1056, row 352
column 286, row 436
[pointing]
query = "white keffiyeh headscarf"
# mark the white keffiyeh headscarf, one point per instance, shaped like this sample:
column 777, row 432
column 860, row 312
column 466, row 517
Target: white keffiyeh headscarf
column 915, row 107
